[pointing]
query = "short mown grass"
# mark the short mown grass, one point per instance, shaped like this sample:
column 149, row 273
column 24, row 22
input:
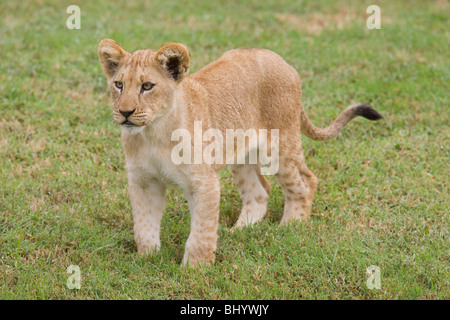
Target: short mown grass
column 383, row 197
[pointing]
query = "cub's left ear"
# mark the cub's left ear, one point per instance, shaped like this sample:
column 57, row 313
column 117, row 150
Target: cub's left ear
column 174, row 59
column 111, row 55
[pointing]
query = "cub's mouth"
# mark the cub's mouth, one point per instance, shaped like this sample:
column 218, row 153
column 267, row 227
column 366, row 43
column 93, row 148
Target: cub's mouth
column 131, row 128
column 127, row 123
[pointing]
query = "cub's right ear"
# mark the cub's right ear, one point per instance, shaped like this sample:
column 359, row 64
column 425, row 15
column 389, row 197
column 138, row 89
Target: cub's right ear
column 110, row 54
column 174, row 59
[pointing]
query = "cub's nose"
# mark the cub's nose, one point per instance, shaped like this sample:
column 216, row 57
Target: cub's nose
column 126, row 114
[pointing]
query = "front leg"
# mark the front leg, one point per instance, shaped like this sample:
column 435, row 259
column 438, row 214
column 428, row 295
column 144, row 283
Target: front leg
column 148, row 202
column 204, row 201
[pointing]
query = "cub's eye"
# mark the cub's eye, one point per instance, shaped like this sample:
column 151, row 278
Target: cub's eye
column 119, row 84
column 147, row 86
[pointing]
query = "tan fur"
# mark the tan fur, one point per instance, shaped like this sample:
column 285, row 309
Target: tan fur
column 245, row 88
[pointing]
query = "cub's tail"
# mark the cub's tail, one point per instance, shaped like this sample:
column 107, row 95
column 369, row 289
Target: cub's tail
column 339, row 123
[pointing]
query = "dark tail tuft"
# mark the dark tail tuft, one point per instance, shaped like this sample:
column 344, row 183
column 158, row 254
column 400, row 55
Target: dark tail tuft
column 366, row 111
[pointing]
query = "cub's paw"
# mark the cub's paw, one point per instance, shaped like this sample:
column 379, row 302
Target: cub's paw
column 198, row 258
column 147, row 248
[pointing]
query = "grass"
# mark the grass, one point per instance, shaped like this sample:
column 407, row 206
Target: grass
column 383, row 197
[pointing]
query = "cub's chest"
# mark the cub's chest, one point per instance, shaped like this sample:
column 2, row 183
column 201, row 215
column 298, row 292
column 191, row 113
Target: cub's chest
column 152, row 160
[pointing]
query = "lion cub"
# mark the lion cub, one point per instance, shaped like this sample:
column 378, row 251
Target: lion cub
column 246, row 89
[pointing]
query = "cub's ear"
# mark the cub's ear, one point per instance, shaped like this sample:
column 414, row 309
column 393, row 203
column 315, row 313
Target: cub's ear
column 110, row 54
column 174, row 59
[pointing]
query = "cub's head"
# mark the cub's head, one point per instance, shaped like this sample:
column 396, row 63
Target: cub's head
column 142, row 82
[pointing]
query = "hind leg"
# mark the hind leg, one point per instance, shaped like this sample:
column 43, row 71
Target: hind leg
column 254, row 190
column 298, row 182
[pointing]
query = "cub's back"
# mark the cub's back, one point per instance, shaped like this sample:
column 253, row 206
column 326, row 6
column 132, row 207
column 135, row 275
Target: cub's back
column 251, row 88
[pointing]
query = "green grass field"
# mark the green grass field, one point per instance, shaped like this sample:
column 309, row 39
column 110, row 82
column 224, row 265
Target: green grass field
column 383, row 197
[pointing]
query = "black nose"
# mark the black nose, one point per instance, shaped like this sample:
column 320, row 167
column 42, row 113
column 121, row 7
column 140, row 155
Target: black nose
column 126, row 114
